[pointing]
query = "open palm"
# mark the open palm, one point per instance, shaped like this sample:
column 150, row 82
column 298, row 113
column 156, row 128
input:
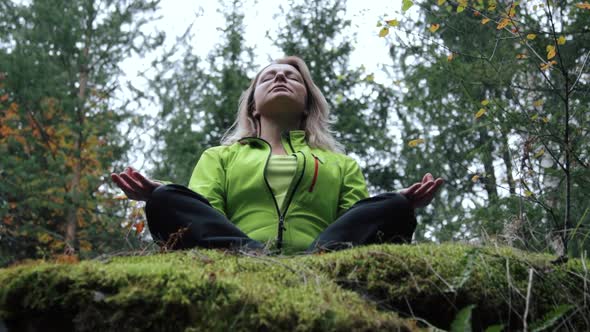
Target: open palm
column 134, row 184
column 421, row 194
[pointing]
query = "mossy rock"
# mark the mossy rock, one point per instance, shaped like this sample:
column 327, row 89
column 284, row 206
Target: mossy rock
column 376, row 287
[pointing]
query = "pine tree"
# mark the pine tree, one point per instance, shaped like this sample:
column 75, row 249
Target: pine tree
column 60, row 64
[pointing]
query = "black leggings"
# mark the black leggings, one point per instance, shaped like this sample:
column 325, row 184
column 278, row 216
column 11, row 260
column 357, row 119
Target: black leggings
column 181, row 218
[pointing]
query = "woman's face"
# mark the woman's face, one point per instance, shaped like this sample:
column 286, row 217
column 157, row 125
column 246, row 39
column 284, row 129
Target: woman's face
column 279, row 89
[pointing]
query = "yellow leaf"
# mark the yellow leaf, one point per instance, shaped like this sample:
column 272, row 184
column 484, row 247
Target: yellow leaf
column 531, row 36
column 550, row 52
column 545, row 66
column 384, row 32
column 561, row 40
column 370, row 78
column 512, row 11
column 460, row 9
column 521, row 56
column 583, row 5
column 480, row 113
column 527, row 193
column 534, row 117
column 505, row 21
column 475, row 178
column 492, row 7
column 441, row 2
column 539, row 153
column 538, row 103
column 406, row 4
column 434, row 27
column 413, row 143
column 450, row 57
column 485, row 102
column 485, row 20
column 545, row 119
column 392, row 23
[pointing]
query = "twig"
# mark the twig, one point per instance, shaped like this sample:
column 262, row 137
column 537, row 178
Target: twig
column 584, row 255
column 580, row 74
column 528, row 298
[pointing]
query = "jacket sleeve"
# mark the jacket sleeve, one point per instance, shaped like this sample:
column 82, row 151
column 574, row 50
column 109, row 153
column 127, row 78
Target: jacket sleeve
column 208, row 179
column 353, row 187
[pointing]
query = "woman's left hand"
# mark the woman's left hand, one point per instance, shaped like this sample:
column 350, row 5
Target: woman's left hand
column 421, row 194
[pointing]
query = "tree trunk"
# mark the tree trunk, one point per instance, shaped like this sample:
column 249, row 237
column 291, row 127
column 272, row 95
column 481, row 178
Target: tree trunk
column 508, row 163
column 488, row 164
column 72, row 216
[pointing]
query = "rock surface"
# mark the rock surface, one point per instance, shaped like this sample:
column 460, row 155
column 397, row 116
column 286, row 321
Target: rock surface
column 368, row 288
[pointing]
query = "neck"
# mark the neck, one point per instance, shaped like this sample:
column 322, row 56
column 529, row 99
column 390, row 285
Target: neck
column 271, row 131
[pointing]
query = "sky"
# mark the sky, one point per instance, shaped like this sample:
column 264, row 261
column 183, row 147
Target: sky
column 177, row 15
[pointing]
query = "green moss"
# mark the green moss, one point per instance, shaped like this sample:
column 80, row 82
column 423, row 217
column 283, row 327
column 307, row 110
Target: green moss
column 435, row 281
column 363, row 288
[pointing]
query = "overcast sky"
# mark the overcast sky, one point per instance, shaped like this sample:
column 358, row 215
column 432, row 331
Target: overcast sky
column 177, row 15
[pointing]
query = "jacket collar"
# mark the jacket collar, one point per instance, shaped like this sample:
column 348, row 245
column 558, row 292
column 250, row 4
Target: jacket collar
column 294, row 138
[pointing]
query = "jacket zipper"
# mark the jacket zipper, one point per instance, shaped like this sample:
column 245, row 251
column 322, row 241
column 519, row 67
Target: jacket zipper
column 281, row 220
column 281, row 216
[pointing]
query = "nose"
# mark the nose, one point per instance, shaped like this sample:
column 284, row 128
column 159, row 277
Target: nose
column 280, row 76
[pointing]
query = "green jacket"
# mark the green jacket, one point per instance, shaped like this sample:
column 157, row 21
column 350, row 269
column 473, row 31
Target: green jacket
column 325, row 185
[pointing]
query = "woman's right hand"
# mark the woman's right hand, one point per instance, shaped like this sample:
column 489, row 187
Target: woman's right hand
column 135, row 185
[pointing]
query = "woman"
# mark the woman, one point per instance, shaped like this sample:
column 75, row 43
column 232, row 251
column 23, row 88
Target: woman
column 279, row 181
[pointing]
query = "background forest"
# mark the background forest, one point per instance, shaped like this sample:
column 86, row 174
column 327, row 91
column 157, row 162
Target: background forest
column 493, row 97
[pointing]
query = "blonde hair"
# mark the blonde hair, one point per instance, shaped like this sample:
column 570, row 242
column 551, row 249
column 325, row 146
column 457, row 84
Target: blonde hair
column 316, row 122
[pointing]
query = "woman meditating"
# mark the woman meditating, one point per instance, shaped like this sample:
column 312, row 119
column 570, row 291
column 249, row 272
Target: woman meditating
column 279, row 182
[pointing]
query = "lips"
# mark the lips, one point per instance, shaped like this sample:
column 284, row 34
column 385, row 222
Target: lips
column 279, row 87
